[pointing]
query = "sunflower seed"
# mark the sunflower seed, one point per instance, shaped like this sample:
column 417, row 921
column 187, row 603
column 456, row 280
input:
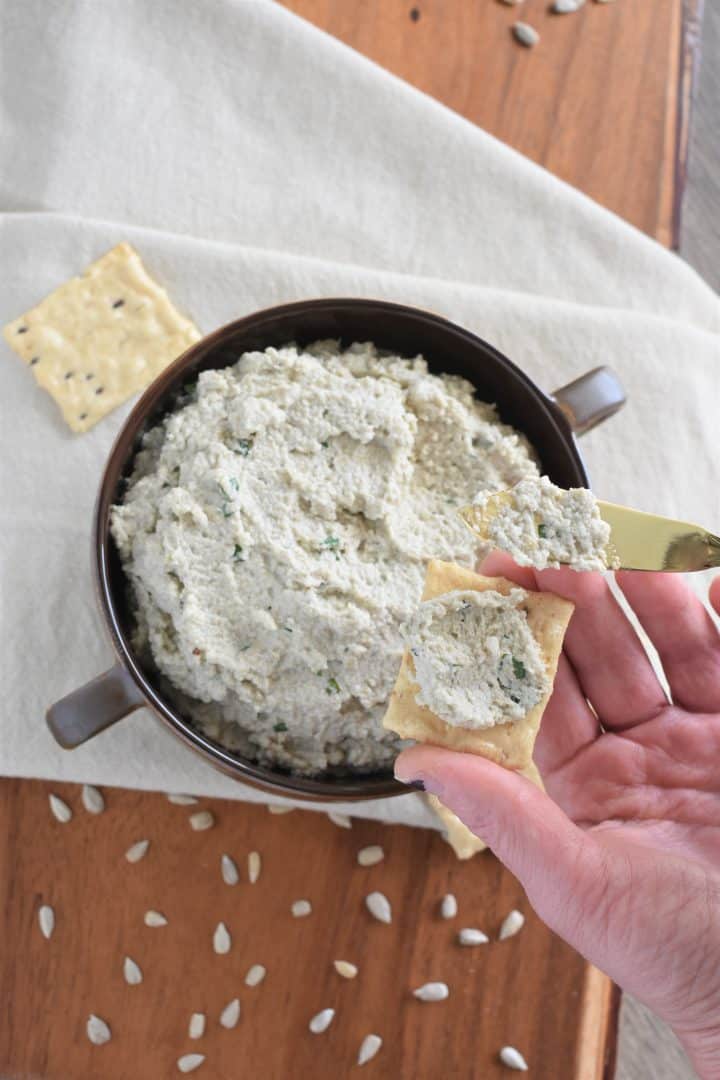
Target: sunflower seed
column 137, row 851
column 229, row 870
column 98, row 1032
column 432, row 991
column 526, row 35
column 131, row 971
column 276, row 808
column 448, row 906
column 60, row 809
column 566, row 7
column 301, row 908
column 345, row 968
column 341, row 820
column 46, row 918
column 472, row 937
column 201, row 821
column 230, row 1014
column 368, row 1048
column 370, row 856
column 92, row 799
column 379, row 907
column 513, row 1059
column 512, row 924
column 190, row 1062
column 222, row 942
column 321, row 1021
column 255, row 975
column 254, row 866
column 155, row 918
column 182, row 800
column 196, row 1027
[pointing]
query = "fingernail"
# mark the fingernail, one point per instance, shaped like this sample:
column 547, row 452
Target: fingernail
column 419, row 785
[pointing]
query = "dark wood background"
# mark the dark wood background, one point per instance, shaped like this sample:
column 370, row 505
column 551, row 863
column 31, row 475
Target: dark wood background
column 602, row 102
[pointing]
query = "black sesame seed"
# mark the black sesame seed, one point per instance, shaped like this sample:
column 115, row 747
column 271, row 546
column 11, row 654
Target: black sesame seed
column 82, row 416
column 69, row 374
column 90, row 376
column 35, row 360
column 414, row 14
column 99, row 389
column 22, row 330
column 118, row 303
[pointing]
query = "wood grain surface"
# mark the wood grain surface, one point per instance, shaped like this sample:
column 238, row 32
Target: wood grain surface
column 598, row 102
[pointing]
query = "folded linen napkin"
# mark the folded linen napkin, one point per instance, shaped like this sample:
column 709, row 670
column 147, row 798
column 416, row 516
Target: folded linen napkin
column 253, row 160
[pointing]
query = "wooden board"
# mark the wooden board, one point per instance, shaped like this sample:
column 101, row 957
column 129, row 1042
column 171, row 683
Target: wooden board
column 602, row 102
column 48, row 988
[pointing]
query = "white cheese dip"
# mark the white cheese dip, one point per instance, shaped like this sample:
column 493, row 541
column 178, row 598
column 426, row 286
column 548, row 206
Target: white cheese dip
column 275, row 533
column 476, row 661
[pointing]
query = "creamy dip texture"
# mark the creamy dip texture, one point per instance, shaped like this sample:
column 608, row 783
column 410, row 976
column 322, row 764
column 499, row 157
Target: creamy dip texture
column 476, row 661
column 275, row 533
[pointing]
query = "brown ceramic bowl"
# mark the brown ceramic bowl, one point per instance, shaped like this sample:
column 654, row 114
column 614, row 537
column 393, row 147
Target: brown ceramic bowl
column 550, row 421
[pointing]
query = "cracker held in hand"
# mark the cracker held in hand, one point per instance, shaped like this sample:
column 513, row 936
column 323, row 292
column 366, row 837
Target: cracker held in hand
column 508, row 743
column 462, row 840
column 100, row 338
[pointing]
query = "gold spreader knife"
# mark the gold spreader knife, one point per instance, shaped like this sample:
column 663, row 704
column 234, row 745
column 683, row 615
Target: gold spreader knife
column 649, row 542
column 638, row 541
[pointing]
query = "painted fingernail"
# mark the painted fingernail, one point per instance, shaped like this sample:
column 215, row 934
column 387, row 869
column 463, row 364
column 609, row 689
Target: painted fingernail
column 419, row 785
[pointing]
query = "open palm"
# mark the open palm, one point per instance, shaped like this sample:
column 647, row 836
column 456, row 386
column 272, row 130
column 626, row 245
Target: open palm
column 624, row 860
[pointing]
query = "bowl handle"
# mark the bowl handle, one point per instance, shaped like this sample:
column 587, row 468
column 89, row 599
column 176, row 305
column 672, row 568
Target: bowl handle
column 93, row 707
column 589, row 400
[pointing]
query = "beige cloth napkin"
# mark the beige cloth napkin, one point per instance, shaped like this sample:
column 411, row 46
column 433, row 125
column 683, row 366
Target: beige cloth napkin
column 252, row 160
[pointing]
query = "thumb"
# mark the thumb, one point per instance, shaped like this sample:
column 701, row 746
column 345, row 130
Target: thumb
column 558, row 864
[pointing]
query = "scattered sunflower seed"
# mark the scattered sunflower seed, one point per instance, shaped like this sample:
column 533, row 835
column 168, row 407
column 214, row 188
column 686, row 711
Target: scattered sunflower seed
column 341, row 820
column 370, row 856
column 469, row 936
column 230, row 1014
column 513, row 1059
column 368, row 1048
column 190, row 1062
column 92, row 799
column 60, row 809
column 98, row 1032
column 196, row 1027
column 275, row 808
column 345, row 968
column 131, row 971
column 155, row 918
column 254, row 866
column 321, row 1021
column 512, row 924
column 525, row 34
column 229, row 870
column 137, row 851
column 432, row 991
column 255, row 975
column 201, row 821
column 566, row 7
column 301, row 908
column 448, row 906
column 222, row 942
column 46, row 919
column 181, row 800
column 379, row 907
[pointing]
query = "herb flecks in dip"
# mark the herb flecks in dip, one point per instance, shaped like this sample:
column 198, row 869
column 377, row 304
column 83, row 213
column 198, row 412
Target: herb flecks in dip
column 275, row 533
column 476, row 661
column 542, row 525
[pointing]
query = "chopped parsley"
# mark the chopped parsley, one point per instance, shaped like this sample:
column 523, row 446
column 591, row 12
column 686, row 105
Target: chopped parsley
column 281, row 726
column 243, row 447
column 325, row 444
column 542, row 531
column 333, row 687
column 331, row 543
column 288, row 628
column 227, row 510
column 238, row 553
column 518, row 668
column 244, row 648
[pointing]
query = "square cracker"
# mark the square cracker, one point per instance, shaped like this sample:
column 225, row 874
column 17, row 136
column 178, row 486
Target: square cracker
column 509, row 744
column 462, row 840
column 100, row 338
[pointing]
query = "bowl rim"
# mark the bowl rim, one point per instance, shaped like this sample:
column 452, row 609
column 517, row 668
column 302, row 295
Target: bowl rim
column 341, row 789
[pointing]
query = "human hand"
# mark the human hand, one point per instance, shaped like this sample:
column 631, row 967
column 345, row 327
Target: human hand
column 625, row 862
